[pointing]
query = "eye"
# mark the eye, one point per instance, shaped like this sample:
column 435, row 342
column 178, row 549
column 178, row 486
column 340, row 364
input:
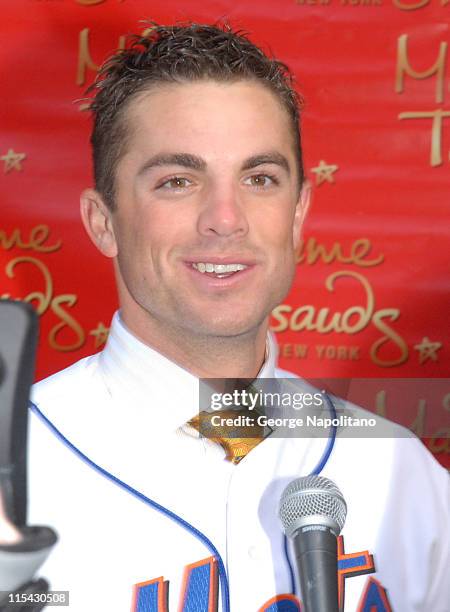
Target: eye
column 175, row 182
column 261, row 181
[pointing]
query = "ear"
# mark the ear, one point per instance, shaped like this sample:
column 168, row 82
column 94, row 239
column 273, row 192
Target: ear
column 97, row 221
column 301, row 210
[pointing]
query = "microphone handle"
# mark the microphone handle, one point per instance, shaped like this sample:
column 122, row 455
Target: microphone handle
column 315, row 549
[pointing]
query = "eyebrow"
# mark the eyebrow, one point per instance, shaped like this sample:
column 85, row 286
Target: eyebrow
column 188, row 160
column 174, row 159
column 272, row 157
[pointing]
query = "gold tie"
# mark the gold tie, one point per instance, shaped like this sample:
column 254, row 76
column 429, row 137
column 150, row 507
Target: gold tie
column 236, row 439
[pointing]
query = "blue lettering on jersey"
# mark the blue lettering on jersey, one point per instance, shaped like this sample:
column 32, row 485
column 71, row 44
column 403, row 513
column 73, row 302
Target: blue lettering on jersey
column 282, row 603
column 150, row 596
column 374, row 598
column 199, row 590
column 353, row 564
column 200, row 586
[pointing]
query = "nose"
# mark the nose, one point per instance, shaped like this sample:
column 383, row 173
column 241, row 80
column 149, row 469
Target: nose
column 222, row 213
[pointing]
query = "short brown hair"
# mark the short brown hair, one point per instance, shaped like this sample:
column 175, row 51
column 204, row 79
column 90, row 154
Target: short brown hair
column 177, row 54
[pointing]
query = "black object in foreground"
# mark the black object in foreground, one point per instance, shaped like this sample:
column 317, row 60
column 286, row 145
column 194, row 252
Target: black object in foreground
column 21, row 556
column 313, row 511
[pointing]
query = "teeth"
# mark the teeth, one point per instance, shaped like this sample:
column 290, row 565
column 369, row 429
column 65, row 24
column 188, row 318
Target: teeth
column 218, row 268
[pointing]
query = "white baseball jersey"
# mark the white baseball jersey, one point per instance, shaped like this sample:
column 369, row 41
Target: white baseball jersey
column 123, row 408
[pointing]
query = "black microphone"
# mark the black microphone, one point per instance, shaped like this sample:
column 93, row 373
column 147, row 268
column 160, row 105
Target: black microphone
column 313, row 511
column 23, row 549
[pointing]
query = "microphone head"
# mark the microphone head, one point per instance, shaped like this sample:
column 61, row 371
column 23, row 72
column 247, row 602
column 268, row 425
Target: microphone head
column 312, row 500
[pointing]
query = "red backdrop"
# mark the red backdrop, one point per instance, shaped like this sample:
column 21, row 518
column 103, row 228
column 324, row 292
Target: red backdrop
column 371, row 297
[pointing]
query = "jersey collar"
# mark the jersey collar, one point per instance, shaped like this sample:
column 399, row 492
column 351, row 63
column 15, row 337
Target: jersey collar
column 136, row 373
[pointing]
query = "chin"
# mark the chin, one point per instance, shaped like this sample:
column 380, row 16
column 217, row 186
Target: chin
column 228, row 327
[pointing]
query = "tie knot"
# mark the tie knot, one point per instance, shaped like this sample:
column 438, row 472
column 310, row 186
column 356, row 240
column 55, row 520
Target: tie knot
column 236, row 430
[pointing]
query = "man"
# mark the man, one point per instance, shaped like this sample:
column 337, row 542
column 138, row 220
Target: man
column 199, row 201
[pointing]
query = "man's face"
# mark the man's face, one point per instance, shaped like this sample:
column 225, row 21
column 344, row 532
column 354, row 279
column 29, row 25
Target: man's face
column 207, row 211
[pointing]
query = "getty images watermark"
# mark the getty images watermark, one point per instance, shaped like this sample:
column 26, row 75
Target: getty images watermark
column 250, row 407
column 293, row 407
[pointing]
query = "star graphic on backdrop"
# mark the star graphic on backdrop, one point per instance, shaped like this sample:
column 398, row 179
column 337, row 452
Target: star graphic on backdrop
column 427, row 349
column 12, row 160
column 100, row 334
column 324, row 172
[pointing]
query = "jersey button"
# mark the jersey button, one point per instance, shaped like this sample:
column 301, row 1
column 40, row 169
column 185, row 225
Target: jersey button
column 254, row 553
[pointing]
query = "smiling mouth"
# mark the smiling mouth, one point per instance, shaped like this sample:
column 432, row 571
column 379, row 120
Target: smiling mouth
column 219, row 270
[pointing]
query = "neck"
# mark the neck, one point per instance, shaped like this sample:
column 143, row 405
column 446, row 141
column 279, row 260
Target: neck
column 204, row 356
